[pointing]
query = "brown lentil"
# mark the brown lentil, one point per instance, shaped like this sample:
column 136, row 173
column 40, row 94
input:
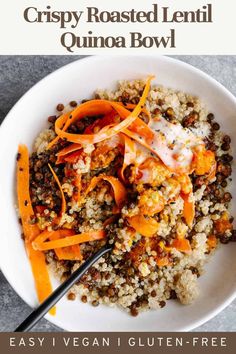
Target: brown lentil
column 227, row 158
column 190, row 104
column 224, row 184
column 71, row 296
column 52, row 119
column 73, row 103
column 95, row 303
column 227, row 197
column 170, row 112
column 190, row 120
column 233, row 237
column 225, row 146
column 210, row 117
column 160, row 102
column 153, row 293
column 215, row 126
column 156, row 111
column 133, row 311
column 60, row 107
column 173, row 294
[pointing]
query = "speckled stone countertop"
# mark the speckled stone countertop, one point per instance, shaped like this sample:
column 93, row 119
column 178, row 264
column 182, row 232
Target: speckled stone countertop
column 17, row 75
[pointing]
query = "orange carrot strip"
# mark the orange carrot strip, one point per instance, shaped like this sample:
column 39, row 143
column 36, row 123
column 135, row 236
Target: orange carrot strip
column 40, row 273
column 71, row 253
column 222, row 225
column 90, row 108
column 203, row 161
column 182, row 245
column 129, row 154
column 55, row 140
column 66, row 253
column 37, row 258
column 118, row 188
column 105, row 133
column 71, row 157
column 99, row 123
column 212, row 241
column 95, row 107
column 63, row 200
column 23, row 194
column 189, row 209
column 145, row 226
column 78, row 185
column 162, row 262
column 212, row 172
column 68, row 241
column 68, row 149
column 132, row 106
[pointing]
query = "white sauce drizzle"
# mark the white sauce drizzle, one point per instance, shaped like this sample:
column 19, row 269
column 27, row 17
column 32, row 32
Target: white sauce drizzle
column 173, row 143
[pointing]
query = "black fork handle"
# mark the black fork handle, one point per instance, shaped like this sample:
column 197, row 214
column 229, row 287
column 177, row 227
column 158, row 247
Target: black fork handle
column 57, row 294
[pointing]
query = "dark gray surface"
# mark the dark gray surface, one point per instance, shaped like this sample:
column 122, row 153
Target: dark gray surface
column 17, row 75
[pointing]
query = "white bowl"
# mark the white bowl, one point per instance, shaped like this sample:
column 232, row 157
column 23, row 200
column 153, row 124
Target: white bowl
column 28, row 117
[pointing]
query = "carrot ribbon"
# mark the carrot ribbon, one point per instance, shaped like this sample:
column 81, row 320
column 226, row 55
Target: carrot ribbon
column 118, row 188
column 41, row 244
column 96, row 107
column 145, row 226
column 31, row 231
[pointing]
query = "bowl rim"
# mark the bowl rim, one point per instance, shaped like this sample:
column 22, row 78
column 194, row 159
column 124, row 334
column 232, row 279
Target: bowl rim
column 91, row 60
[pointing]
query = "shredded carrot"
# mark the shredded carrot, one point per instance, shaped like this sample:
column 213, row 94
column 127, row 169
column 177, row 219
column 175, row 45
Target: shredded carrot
column 129, row 154
column 78, row 185
column 71, row 253
column 212, row 241
column 145, row 226
column 189, row 209
column 37, row 258
column 212, row 172
column 63, row 200
column 40, row 274
column 66, row 253
column 203, row 161
column 68, row 149
column 182, row 245
column 162, row 262
column 222, row 225
column 132, row 106
column 95, row 107
column 185, row 183
column 85, row 109
column 118, row 188
column 99, row 123
column 23, row 194
column 42, row 245
column 72, row 157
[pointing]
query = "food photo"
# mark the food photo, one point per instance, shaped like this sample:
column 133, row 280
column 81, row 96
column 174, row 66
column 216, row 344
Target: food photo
column 133, row 155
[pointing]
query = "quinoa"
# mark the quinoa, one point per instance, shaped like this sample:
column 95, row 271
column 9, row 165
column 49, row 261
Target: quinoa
column 141, row 272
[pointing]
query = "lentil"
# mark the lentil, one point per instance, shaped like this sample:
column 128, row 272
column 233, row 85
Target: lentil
column 60, row 107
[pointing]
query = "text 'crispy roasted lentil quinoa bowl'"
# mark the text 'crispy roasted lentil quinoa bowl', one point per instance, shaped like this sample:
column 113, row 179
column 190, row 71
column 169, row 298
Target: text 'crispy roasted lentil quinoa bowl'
column 145, row 168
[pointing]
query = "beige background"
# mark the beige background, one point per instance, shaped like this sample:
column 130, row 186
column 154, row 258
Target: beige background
column 20, row 37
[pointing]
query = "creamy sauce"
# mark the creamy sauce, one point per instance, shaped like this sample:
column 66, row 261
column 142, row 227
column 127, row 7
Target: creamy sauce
column 173, row 143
